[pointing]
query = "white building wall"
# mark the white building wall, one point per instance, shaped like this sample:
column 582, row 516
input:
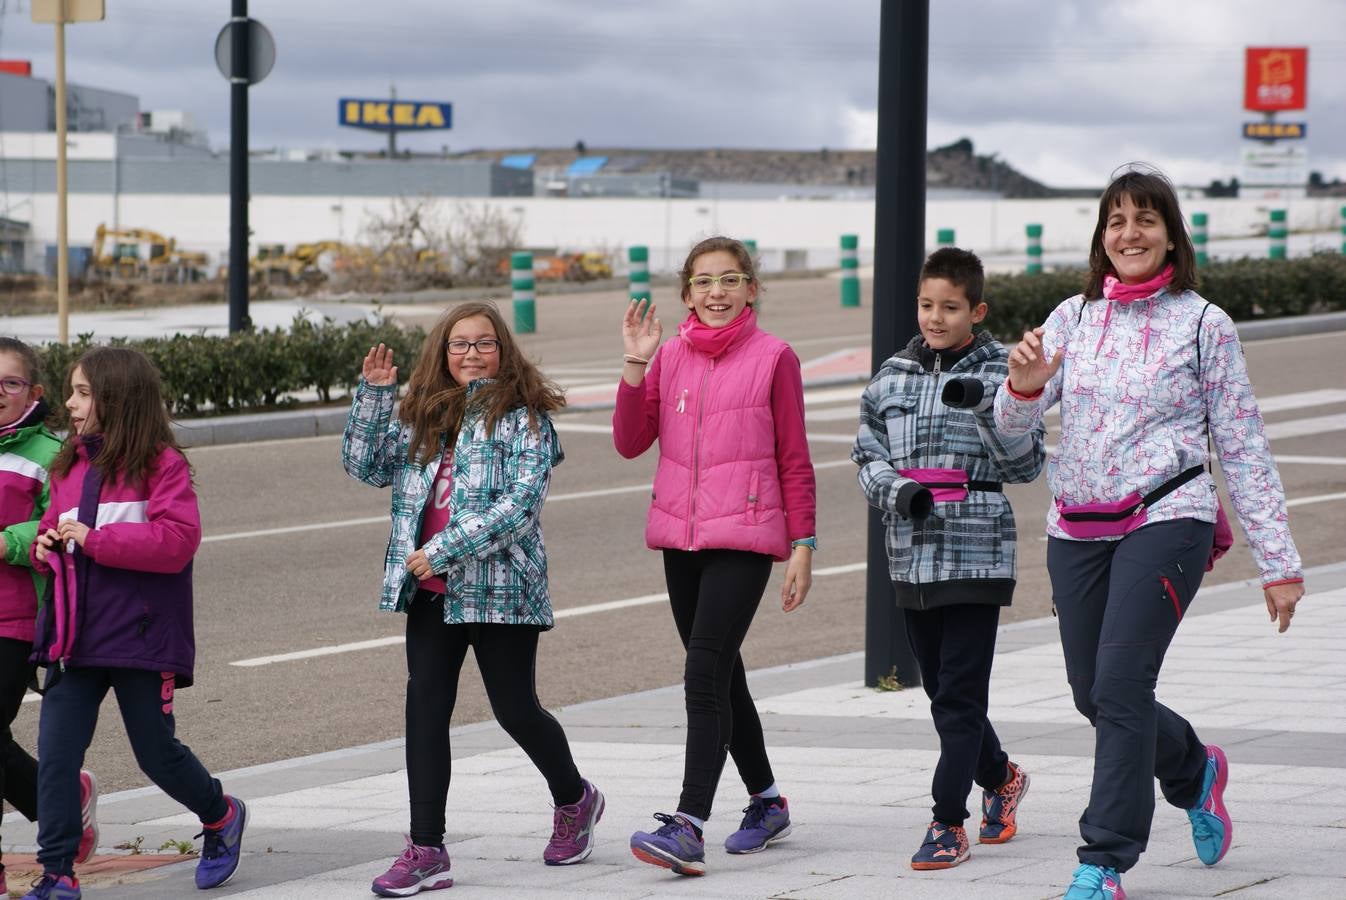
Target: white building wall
column 667, row 227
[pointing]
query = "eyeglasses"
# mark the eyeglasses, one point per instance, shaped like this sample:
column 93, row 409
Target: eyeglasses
column 729, row 281
column 485, row 346
column 15, row 385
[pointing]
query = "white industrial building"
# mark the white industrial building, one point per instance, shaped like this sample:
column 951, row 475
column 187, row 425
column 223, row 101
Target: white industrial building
column 127, row 169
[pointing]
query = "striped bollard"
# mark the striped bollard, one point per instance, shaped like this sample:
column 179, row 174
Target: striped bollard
column 1034, row 233
column 521, row 277
column 944, row 238
column 1343, row 231
column 1200, row 238
column 850, row 270
column 639, row 259
column 1277, row 232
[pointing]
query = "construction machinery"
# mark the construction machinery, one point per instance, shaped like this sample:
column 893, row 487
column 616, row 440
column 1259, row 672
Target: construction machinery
column 308, row 263
column 139, row 254
column 585, row 266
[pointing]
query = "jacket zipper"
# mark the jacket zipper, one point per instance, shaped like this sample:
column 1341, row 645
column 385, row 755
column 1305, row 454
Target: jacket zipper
column 696, row 453
column 916, row 430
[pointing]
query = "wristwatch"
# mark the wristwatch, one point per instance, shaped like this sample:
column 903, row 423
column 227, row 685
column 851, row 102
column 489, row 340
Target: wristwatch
column 811, row 542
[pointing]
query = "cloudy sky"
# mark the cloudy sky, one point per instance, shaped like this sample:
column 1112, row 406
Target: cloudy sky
column 1064, row 90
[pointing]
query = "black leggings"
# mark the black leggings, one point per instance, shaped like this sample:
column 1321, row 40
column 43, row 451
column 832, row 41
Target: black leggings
column 714, row 595
column 18, row 769
column 506, row 656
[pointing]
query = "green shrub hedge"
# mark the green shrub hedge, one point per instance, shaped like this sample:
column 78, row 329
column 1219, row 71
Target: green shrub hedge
column 250, row 370
column 1244, row 288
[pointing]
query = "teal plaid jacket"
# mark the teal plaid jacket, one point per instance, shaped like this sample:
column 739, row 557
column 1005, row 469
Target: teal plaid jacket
column 491, row 553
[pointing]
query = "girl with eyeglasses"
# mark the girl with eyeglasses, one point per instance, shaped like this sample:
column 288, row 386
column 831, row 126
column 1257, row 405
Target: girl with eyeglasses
column 466, row 563
column 734, row 492
column 27, row 447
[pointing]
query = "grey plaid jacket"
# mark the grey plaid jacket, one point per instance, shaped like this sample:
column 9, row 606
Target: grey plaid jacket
column 904, row 425
column 491, row 554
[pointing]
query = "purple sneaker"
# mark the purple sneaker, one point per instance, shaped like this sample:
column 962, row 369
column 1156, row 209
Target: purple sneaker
column 674, row 845
column 572, row 830
column 222, row 848
column 54, row 887
column 417, row 869
column 765, row 821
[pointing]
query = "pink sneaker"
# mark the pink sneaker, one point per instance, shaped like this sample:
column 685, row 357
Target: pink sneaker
column 417, row 869
column 88, row 815
column 572, row 834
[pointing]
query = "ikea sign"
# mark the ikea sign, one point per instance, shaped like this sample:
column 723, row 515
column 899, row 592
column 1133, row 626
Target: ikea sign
column 394, row 115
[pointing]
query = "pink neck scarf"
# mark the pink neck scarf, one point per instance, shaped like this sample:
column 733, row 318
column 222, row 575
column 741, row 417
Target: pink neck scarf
column 1116, row 289
column 714, row 341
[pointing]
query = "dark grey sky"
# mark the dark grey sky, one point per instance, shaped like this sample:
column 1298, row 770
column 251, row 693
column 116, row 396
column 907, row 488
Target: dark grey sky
column 1062, row 90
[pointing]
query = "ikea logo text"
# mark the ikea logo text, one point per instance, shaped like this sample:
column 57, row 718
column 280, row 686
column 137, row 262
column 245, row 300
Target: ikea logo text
column 394, row 115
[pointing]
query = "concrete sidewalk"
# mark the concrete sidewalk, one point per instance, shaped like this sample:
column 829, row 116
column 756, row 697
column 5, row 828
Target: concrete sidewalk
column 856, row 766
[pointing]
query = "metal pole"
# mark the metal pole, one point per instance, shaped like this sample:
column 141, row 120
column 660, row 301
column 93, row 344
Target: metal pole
column 238, row 170
column 62, row 236
column 899, row 250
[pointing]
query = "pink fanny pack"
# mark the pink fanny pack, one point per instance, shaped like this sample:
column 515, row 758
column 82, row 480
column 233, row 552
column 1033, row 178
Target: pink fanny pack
column 1115, row 519
column 948, row 485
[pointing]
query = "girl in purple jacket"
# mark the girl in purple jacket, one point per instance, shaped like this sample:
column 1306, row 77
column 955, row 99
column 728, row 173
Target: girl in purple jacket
column 117, row 541
column 733, row 492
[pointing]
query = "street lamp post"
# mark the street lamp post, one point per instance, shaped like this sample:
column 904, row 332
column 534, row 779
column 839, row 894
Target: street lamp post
column 59, row 13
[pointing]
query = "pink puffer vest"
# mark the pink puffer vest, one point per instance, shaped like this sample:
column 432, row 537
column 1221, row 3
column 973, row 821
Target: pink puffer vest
column 716, row 486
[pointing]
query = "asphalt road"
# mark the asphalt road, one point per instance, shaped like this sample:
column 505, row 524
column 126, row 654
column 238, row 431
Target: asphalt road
column 263, row 592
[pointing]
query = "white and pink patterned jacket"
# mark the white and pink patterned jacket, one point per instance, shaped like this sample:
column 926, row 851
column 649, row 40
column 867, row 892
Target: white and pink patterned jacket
column 1133, row 415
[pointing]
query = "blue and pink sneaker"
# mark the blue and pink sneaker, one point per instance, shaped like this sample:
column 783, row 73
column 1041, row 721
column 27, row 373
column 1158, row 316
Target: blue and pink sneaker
column 1095, row 883
column 674, row 845
column 765, row 821
column 54, row 887
column 1212, row 829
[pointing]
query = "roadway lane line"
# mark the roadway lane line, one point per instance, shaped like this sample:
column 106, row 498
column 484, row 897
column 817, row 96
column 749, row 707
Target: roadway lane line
column 1305, row 427
column 1311, row 460
column 569, row 613
column 1318, row 498
column 383, row 520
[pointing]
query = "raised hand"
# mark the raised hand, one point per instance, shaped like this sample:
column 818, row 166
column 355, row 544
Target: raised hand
column 1029, row 370
column 378, row 368
column 641, row 331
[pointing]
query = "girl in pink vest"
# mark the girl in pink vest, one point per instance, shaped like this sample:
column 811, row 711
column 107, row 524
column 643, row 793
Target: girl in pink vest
column 734, row 491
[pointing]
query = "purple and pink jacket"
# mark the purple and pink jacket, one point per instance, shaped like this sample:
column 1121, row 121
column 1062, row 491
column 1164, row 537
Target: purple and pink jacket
column 734, row 470
column 124, row 600
column 1134, row 414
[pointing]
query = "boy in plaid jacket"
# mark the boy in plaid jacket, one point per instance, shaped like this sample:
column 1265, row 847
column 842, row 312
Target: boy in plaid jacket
column 931, row 460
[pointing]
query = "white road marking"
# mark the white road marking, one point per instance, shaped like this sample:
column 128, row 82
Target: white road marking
column 569, row 613
column 1305, row 427
column 1311, row 460
column 1318, row 498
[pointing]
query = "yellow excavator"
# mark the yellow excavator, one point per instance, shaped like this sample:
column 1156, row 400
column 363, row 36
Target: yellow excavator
column 140, row 254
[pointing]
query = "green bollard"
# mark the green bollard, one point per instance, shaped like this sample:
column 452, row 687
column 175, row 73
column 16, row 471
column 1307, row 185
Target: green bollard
column 944, row 238
column 521, row 277
column 1034, row 249
column 1200, row 238
column 1277, row 232
column 639, row 259
column 850, row 270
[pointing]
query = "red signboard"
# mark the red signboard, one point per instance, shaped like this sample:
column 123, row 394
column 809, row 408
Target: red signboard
column 16, row 67
column 1276, row 78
